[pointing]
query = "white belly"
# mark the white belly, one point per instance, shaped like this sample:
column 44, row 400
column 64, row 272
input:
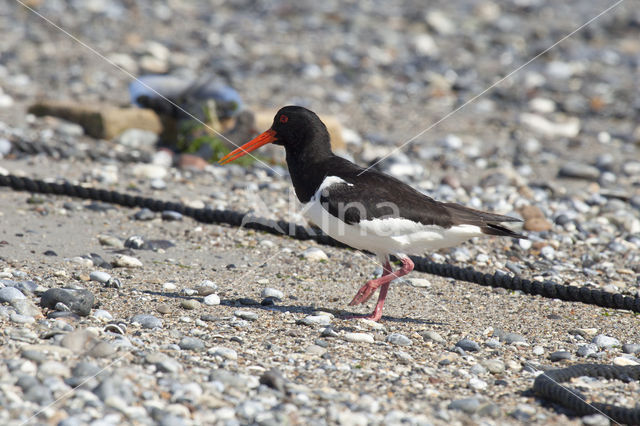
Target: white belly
column 390, row 235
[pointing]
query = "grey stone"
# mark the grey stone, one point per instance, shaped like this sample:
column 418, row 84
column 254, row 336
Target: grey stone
column 468, row 405
column 21, row 319
column 468, row 345
column 631, row 348
column 10, row 294
column 274, row 379
column 39, row 394
column 191, row 344
column 147, row 321
column 144, row 215
column 398, row 339
column 432, row 335
column 513, row 338
column 170, row 215
column 79, row 301
column 246, row 315
column 163, row 362
column 102, row 349
column 579, row 171
column 587, row 350
column 605, row 342
column 559, row 355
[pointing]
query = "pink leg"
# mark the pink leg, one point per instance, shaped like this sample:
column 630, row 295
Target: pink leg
column 367, row 290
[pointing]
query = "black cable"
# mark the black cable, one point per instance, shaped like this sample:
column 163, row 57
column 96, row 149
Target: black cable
column 547, row 385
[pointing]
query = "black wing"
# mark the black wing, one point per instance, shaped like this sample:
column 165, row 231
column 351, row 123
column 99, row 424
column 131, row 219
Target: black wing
column 372, row 195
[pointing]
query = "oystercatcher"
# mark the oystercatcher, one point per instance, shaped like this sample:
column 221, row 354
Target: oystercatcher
column 366, row 209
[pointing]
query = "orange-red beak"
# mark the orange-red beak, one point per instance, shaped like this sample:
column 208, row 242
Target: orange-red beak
column 263, row 139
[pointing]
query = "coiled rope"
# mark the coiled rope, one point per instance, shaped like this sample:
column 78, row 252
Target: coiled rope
column 546, row 385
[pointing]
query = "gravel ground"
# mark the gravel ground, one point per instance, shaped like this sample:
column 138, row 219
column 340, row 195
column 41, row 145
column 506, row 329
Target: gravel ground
column 217, row 325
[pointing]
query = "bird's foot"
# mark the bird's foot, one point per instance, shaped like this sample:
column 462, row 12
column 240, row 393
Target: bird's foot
column 365, row 293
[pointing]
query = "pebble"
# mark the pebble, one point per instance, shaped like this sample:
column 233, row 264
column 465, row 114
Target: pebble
column 206, row 287
column 315, row 320
column 191, row 344
column 398, row 339
column 587, row 350
column 495, row 366
column 102, row 314
column 314, row 254
column 467, row 405
column 10, row 294
column 163, row 362
column 538, row 350
column 170, row 215
column 568, row 129
column 468, row 345
column 144, row 215
column 212, row 300
column 147, row 321
column 605, row 342
column 624, row 361
column 559, row 356
column 477, row 384
column 21, row 319
column 595, row 420
column 579, row 171
column 631, row 348
column 149, row 171
column 99, row 276
column 135, row 242
column 513, row 338
column 271, row 292
column 124, row 261
column 102, row 349
column 189, row 304
column 223, row 352
column 137, row 138
column 246, row 315
column 110, row 241
column 418, row 282
column 169, row 286
column 79, row 301
column 77, row 340
column 359, row 337
column 432, row 335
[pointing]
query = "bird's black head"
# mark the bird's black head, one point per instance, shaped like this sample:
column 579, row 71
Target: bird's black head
column 296, row 126
column 298, row 129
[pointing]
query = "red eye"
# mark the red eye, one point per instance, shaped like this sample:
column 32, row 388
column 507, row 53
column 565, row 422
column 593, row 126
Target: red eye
column 284, row 118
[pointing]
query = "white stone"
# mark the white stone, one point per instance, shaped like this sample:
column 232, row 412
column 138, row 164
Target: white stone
column 314, row 254
column 359, row 337
column 149, row 171
column 124, row 261
column 568, row 129
column 622, row 361
column 99, row 276
column 212, row 300
column 418, row 282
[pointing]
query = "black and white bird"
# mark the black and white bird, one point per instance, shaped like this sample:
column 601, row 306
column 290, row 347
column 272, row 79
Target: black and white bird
column 367, row 209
